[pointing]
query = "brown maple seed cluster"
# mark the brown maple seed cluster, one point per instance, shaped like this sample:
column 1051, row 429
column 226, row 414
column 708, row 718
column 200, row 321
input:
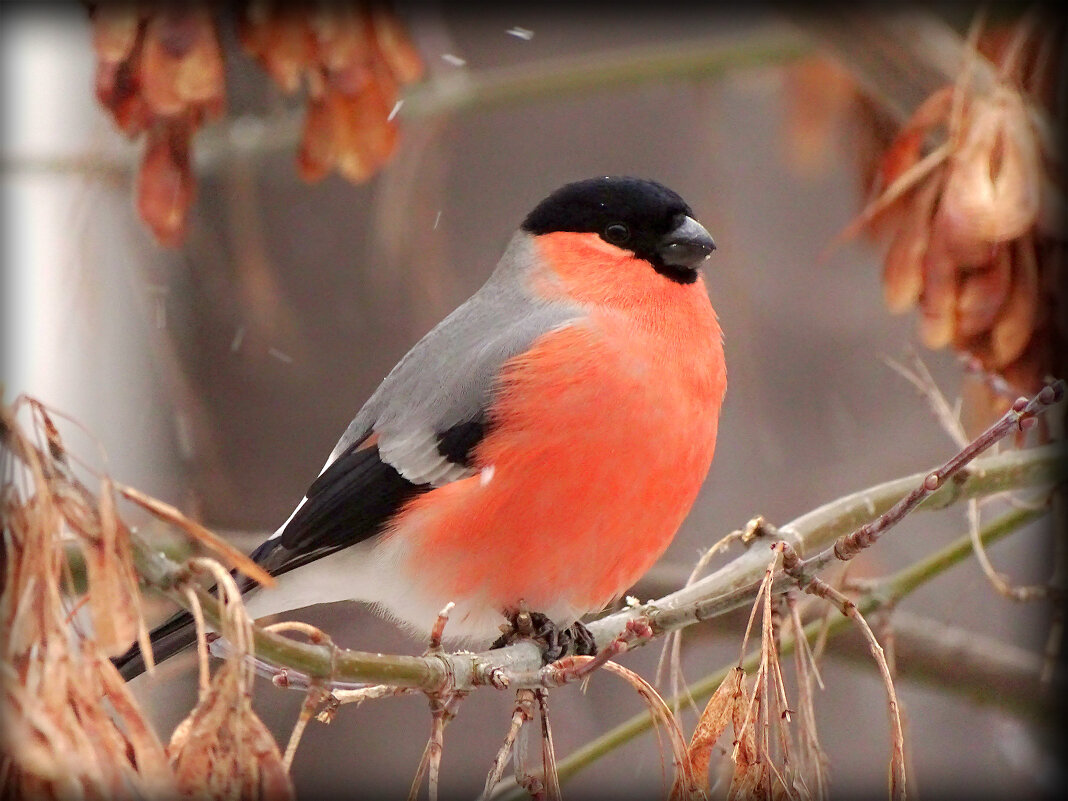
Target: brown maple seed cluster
column 160, row 74
column 976, row 224
column 353, row 60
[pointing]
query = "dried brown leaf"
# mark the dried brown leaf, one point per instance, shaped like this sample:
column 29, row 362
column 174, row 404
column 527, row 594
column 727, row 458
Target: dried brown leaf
column 1016, row 321
column 982, row 293
column 115, row 28
column 166, row 184
column 222, row 749
column 938, row 301
column 903, row 265
column 686, row 785
column 318, row 144
column 717, row 714
column 993, row 190
column 230, row 555
column 395, row 47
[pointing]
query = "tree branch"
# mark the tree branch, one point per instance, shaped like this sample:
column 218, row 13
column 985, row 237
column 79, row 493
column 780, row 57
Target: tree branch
column 735, row 584
column 981, row 668
column 462, row 91
column 899, row 57
column 729, row 587
column 880, row 594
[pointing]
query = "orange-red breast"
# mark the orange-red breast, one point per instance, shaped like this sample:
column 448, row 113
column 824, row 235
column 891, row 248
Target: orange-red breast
column 541, row 445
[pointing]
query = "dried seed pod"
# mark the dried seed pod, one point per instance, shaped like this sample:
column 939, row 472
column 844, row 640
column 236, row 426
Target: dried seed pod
column 938, row 300
column 115, row 29
column 365, row 133
column 118, row 89
column 113, row 588
column 994, row 184
column 181, row 68
column 396, row 48
column 160, row 70
column 279, row 39
column 1030, row 370
column 318, row 150
column 166, row 184
column 222, row 749
column 342, row 37
column 992, row 249
column 71, row 729
column 1012, row 331
column 353, row 60
column 907, row 147
column 903, row 265
column 982, row 293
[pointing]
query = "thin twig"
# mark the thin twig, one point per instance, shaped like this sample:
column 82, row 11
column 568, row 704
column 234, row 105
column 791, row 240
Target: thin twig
column 897, row 747
column 726, row 589
column 312, row 699
column 360, row 694
column 888, row 590
column 228, row 553
column 817, row 587
column 671, row 653
column 812, row 758
column 998, row 581
column 949, row 418
column 1020, row 416
column 574, row 668
column 550, row 780
column 442, row 712
column 1057, row 581
column 981, row 669
column 523, row 713
column 920, row 377
column 203, row 672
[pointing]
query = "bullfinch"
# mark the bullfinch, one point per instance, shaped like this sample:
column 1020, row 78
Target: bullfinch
column 537, row 450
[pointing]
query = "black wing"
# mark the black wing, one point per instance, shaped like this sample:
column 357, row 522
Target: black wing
column 348, row 503
column 355, row 496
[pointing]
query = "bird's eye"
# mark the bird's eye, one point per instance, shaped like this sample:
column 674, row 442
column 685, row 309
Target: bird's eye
column 617, row 233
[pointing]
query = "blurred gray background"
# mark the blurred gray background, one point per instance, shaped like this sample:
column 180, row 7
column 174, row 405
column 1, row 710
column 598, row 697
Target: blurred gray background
column 219, row 376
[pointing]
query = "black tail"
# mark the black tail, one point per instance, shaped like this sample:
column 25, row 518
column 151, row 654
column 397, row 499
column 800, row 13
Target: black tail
column 176, row 634
column 180, row 631
column 172, row 636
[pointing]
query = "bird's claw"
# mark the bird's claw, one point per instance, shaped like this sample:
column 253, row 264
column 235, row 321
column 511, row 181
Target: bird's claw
column 556, row 642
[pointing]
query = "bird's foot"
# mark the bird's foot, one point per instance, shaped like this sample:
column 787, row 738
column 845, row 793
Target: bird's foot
column 556, row 642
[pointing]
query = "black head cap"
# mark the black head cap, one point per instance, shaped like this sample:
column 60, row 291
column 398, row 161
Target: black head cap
column 631, row 213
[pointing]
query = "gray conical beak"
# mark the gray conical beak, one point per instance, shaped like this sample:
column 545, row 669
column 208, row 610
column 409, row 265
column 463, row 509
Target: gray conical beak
column 686, row 246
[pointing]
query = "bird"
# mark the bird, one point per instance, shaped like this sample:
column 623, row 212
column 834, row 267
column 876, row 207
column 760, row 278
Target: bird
column 536, row 451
